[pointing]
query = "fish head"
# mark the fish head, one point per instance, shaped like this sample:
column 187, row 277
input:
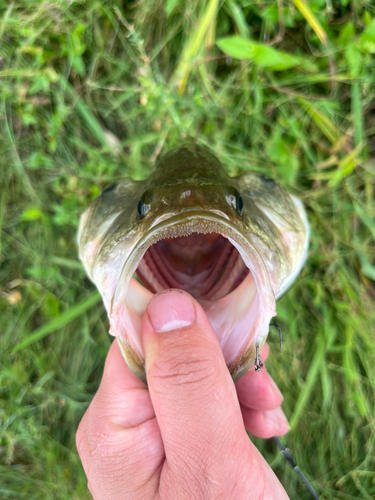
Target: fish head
column 234, row 243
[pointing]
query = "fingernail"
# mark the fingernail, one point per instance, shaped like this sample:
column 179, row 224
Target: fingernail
column 274, row 387
column 171, row 310
column 278, row 420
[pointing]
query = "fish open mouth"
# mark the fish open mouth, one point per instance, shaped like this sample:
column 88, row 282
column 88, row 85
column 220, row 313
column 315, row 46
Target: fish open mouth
column 204, row 254
column 207, row 266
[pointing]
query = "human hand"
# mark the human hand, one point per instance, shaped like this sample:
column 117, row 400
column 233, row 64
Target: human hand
column 183, row 436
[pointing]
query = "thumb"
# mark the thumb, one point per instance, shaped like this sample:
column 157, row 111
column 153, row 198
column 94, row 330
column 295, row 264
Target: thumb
column 193, row 395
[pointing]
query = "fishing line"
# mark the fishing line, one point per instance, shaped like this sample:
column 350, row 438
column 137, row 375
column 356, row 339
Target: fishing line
column 285, row 451
column 280, row 334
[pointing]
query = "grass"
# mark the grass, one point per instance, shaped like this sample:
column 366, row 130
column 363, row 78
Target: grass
column 95, row 90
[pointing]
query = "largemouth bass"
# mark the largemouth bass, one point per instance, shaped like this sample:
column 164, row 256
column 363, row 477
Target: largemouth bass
column 234, row 243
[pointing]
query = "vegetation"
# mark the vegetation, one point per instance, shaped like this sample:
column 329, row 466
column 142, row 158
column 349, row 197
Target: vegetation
column 95, row 90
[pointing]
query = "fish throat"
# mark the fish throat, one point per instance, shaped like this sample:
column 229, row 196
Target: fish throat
column 207, row 266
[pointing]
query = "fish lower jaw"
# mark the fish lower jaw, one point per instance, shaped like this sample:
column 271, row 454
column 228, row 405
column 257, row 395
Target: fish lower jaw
column 239, row 323
column 226, row 277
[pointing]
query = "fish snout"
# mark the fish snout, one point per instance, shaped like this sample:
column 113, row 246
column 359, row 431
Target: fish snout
column 202, row 197
column 190, row 197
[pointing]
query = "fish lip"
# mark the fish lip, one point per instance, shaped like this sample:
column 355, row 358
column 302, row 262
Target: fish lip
column 254, row 260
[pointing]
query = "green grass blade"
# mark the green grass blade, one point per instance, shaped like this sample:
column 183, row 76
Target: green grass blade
column 87, row 115
column 238, row 17
column 367, row 220
column 326, row 126
column 193, row 46
column 346, row 165
column 357, row 114
column 310, row 382
column 68, row 263
column 310, row 17
column 59, row 322
column 5, row 18
column 325, row 339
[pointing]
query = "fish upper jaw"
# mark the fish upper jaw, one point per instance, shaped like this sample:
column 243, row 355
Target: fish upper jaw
column 186, row 210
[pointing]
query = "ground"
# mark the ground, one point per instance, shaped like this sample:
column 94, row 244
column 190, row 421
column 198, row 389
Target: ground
column 91, row 91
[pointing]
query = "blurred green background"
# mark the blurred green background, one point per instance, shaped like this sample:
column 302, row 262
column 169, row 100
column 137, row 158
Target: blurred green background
column 95, row 90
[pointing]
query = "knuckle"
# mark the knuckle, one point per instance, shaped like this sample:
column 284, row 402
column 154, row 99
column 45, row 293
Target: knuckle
column 180, row 370
column 185, row 363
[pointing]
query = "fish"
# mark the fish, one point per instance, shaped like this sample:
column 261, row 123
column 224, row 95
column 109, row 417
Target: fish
column 236, row 244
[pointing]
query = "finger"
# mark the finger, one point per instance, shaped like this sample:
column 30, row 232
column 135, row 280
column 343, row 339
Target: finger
column 196, row 406
column 192, row 392
column 119, row 432
column 258, row 390
column 122, row 397
column 265, row 424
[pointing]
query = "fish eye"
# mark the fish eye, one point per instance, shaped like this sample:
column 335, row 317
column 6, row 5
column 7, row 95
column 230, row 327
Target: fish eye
column 235, row 201
column 144, row 205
